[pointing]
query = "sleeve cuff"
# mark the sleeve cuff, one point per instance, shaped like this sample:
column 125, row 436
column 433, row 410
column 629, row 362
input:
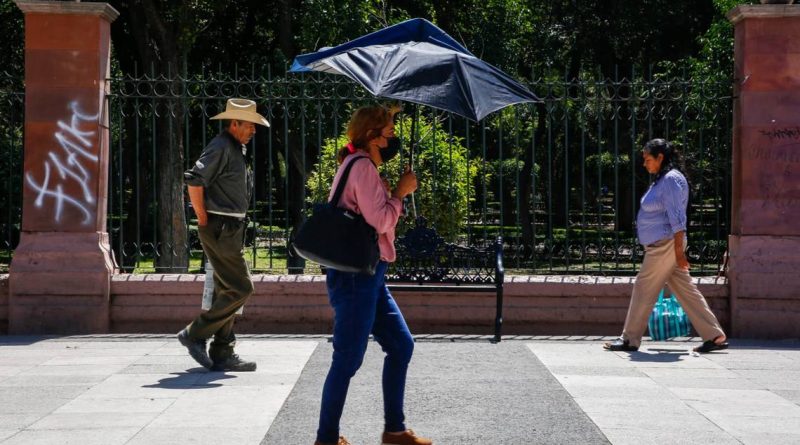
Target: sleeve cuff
column 191, row 179
column 397, row 203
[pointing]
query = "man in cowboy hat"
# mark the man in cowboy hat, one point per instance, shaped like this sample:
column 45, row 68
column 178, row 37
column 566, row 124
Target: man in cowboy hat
column 220, row 184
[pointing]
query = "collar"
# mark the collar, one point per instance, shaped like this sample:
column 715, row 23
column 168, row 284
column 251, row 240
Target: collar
column 359, row 154
column 235, row 142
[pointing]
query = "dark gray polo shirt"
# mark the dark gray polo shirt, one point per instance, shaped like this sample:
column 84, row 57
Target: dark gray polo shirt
column 223, row 171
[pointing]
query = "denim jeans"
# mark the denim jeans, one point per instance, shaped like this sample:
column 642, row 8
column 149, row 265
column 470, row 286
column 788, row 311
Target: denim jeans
column 362, row 304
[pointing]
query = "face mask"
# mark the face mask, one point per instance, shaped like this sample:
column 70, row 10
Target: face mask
column 392, row 148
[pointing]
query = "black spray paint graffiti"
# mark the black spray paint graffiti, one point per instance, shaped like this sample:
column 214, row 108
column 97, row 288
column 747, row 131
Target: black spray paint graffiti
column 76, row 145
column 779, row 191
column 782, row 133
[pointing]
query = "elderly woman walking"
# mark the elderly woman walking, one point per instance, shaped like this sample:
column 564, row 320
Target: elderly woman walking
column 362, row 303
column 661, row 228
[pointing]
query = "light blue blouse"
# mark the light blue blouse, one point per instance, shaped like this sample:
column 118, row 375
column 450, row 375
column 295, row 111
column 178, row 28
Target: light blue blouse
column 663, row 208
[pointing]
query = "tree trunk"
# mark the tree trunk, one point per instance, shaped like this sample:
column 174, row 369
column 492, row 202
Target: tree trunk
column 296, row 165
column 158, row 48
column 172, row 238
column 285, row 34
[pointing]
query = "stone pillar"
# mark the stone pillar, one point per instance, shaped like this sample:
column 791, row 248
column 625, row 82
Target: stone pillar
column 60, row 276
column 764, row 245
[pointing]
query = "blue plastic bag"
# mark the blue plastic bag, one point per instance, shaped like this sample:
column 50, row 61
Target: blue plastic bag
column 668, row 319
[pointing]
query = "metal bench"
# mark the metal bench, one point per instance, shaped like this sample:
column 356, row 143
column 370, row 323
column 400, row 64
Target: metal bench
column 426, row 263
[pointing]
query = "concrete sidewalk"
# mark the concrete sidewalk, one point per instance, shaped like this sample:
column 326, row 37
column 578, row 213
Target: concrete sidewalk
column 144, row 389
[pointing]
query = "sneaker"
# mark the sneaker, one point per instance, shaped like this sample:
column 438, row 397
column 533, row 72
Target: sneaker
column 407, row 438
column 234, row 363
column 341, row 441
column 197, row 349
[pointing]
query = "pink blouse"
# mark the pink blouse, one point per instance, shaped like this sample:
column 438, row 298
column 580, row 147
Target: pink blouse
column 365, row 194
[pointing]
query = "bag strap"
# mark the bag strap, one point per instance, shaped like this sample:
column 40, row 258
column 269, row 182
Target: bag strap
column 343, row 181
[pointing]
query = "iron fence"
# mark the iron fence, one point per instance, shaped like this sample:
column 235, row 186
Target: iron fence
column 12, row 111
column 559, row 180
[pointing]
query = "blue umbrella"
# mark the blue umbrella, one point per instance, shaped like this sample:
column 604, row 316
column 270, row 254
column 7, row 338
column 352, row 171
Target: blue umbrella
column 417, row 62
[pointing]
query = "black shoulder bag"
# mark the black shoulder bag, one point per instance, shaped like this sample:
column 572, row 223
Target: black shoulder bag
column 338, row 238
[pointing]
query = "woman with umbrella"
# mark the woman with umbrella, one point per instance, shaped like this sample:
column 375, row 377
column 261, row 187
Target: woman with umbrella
column 362, row 303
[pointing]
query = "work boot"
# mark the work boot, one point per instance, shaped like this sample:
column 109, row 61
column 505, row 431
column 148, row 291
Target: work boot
column 197, row 349
column 341, row 441
column 407, row 438
column 233, row 363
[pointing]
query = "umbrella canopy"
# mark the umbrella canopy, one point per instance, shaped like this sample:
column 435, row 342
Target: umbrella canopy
column 417, row 62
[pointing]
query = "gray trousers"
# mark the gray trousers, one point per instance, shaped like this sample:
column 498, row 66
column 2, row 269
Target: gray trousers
column 222, row 239
column 658, row 268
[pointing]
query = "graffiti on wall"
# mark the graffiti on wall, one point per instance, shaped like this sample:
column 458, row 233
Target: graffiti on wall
column 71, row 162
column 778, row 183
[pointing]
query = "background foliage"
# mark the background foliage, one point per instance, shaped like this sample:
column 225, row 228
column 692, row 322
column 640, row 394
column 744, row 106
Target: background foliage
column 551, row 42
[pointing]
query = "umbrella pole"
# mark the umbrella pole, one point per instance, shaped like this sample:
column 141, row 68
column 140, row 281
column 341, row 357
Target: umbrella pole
column 411, row 154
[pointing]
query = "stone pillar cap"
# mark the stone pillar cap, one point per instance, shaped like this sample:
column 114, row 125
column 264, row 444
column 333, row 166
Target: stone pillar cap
column 103, row 10
column 742, row 12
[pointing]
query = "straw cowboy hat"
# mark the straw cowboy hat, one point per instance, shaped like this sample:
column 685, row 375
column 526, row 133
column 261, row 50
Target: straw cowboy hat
column 242, row 110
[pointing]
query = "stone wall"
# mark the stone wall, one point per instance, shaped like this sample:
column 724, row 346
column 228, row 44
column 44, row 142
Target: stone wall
column 298, row 304
column 764, row 244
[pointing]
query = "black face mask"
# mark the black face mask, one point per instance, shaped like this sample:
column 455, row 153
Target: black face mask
column 392, row 149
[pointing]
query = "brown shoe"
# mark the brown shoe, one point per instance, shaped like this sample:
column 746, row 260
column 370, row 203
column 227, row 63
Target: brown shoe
column 407, row 438
column 341, row 441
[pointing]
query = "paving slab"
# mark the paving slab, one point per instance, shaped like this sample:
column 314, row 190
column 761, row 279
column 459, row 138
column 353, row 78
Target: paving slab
column 37, row 399
column 638, row 436
column 27, row 379
column 700, row 378
column 97, row 420
column 457, row 393
column 144, row 389
column 18, row 421
column 763, row 438
column 12, row 370
column 782, row 379
column 96, row 436
column 197, row 435
column 141, row 391
column 791, row 395
column 87, row 406
column 684, row 397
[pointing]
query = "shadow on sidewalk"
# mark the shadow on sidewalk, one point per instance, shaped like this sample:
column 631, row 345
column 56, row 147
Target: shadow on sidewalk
column 195, row 378
column 662, row 355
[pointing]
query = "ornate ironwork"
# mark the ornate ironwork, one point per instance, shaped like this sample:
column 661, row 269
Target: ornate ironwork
column 579, row 177
column 424, row 257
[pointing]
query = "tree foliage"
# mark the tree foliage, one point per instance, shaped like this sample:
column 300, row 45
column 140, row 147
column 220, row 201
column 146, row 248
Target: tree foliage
column 552, row 41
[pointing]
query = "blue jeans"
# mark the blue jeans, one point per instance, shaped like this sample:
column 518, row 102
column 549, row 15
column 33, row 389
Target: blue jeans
column 362, row 304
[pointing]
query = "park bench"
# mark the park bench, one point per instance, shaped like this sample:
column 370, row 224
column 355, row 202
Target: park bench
column 426, row 263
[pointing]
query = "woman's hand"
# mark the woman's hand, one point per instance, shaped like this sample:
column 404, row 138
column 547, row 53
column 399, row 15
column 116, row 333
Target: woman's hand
column 407, row 184
column 680, row 251
column 683, row 263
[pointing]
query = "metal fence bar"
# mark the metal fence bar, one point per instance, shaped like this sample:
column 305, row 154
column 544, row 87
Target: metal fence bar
column 584, row 140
